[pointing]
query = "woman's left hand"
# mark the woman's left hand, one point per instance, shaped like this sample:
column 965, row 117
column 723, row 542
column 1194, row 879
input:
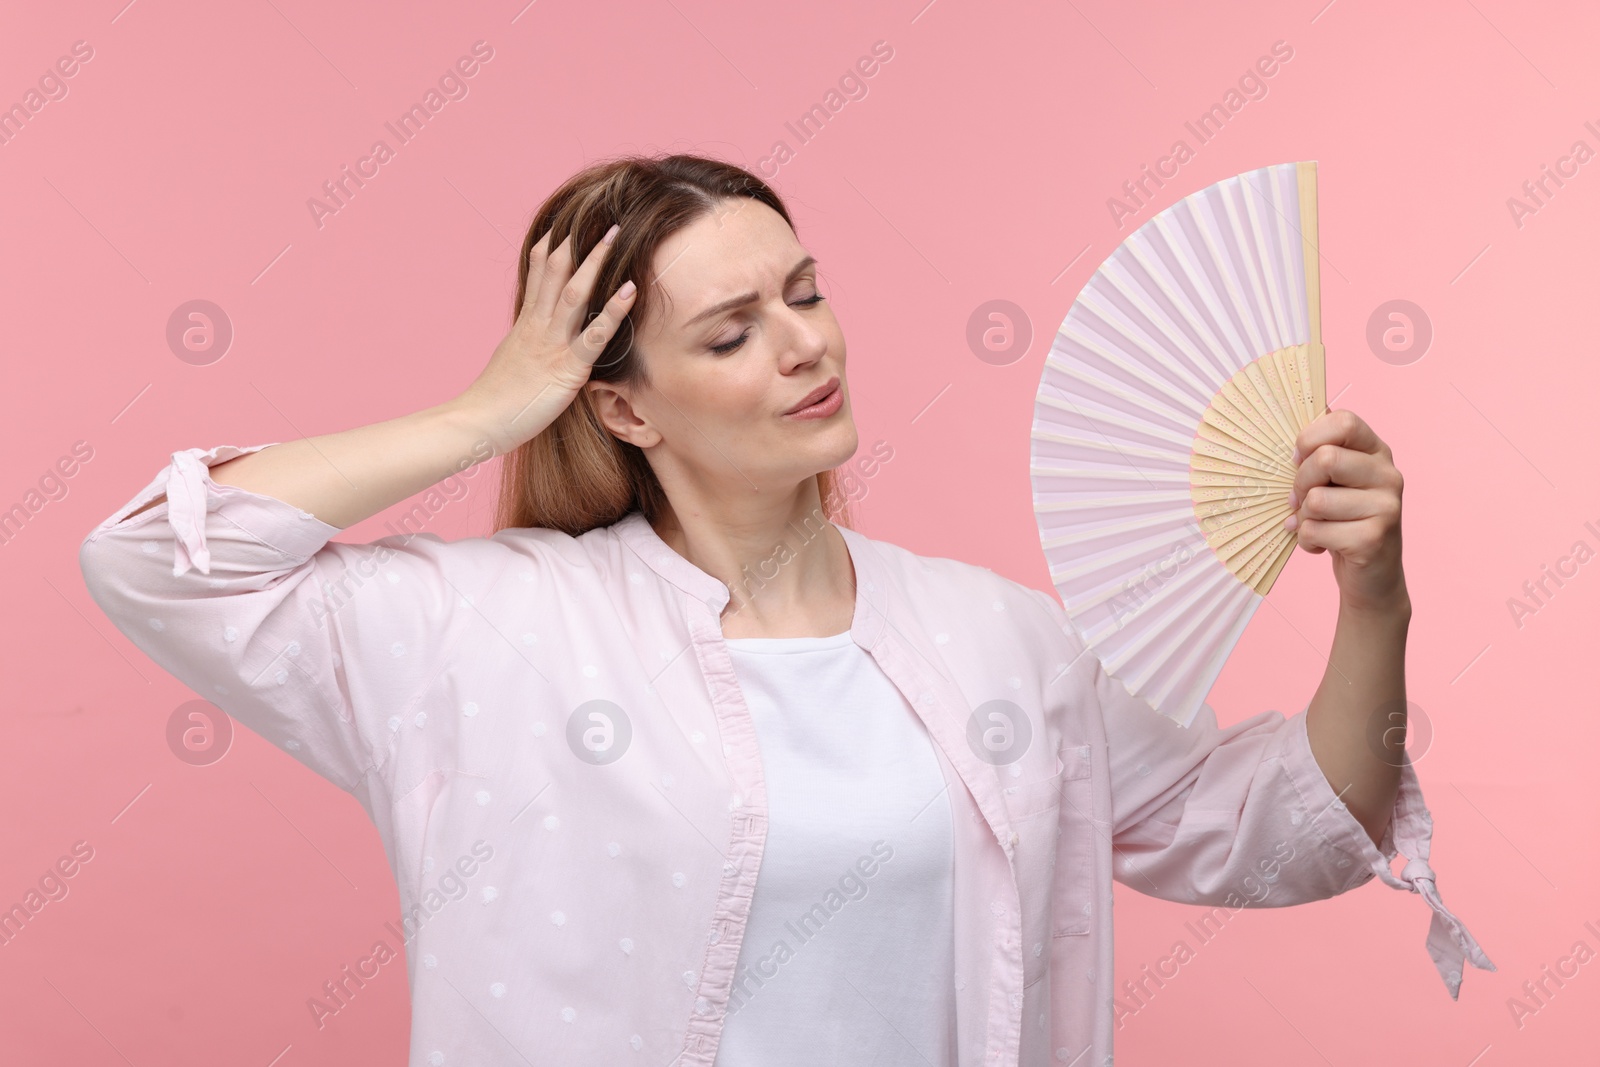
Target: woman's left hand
column 1347, row 500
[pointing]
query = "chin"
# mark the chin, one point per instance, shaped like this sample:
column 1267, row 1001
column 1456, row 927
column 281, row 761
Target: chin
column 843, row 441
column 825, row 451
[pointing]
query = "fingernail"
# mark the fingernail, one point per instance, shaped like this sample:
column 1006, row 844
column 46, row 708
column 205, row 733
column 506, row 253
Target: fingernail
column 1295, row 457
column 609, row 234
column 1291, row 522
column 626, row 290
column 1294, row 500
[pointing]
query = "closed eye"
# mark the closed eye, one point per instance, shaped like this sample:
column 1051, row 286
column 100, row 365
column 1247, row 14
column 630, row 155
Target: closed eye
column 728, row 347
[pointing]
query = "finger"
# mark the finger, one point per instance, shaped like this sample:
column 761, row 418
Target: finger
column 574, row 296
column 1342, row 427
column 1333, row 465
column 1341, row 504
column 1355, row 539
column 538, row 253
column 593, row 338
column 557, row 269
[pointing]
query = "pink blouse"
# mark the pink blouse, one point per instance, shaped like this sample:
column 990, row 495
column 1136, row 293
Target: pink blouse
column 550, row 737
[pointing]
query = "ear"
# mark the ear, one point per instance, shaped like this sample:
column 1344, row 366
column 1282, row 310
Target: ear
column 614, row 408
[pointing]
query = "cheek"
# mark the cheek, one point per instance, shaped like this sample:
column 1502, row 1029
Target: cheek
column 714, row 405
column 830, row 328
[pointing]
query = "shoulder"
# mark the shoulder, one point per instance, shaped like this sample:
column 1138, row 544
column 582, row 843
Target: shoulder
column 602, row 558
column 939, row 581
column 422, row 563
column 991, row 633
column 555, row 546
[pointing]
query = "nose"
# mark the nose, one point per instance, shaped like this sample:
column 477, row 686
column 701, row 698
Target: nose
column 803, row 342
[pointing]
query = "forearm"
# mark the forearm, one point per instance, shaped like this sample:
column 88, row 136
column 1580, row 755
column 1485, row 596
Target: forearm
column 1356, row 721
column 345, row 477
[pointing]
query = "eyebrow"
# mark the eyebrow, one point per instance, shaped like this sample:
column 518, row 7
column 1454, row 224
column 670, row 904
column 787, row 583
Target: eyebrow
column 750, row 297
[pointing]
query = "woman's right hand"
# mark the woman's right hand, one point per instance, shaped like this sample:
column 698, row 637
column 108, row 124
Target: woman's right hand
column 546, row 357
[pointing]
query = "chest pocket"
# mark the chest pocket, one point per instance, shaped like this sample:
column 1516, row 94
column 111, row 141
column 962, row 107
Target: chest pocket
column 1053, row 858
column 1045, row 816
column 1076, row 846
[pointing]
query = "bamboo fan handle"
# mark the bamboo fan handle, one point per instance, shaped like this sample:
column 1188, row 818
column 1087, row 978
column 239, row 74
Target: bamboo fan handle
column 1306, row 172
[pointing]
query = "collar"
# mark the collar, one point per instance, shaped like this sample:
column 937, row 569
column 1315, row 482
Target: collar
column 903, row 654
column 872, row 593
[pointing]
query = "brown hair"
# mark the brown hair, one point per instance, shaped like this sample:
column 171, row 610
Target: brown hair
column 576, row 475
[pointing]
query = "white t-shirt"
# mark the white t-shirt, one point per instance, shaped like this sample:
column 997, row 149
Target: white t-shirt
column 848, row 957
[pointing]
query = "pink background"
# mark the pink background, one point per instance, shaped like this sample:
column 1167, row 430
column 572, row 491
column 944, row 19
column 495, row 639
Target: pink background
column 977, row 167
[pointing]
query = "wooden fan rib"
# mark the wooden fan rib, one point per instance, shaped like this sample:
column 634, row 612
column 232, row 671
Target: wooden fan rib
column 1281, row 376
column 1252, row 466
column 1211, row 439
column 1275, row 419
column 1244, row 541
column 1264, row 582
column 1297, row 369
column 1210, row 470
column 1238, row 512
column 1216, row 513
column 1299, row 372
column 1236, row 483
column 1237, row 406
column 1310, row 252
column 1232, row 534
column 1269, row 560
column 1274, row 401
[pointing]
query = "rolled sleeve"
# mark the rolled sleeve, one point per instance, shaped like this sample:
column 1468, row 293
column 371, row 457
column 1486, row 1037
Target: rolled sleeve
column 1346, row 850
column 322, row 648
column 1409, row 833
column 1243, row 815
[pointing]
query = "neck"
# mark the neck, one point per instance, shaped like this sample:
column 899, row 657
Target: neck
column 786, row 567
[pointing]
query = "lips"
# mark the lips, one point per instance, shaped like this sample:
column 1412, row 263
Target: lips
column 816, row 394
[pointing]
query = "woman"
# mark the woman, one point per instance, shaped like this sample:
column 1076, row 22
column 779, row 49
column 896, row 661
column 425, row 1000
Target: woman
column 670, row 671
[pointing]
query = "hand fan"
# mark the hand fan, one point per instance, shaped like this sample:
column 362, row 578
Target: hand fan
column 1164, row 426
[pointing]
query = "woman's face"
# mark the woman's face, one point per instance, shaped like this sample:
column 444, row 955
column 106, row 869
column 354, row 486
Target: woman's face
column 736, row 337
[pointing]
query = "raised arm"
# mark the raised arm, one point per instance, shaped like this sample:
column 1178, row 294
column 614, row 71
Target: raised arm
column 537, row 369
column 343, row 478
column 223, row 570
column 1347, row 489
